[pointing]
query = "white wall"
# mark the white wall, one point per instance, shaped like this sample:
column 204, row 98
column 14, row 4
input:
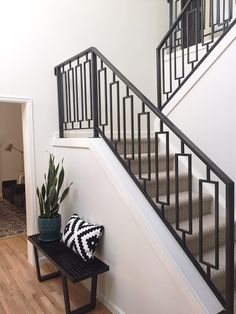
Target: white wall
column 10, row 132
column 207, row 112
column 147, row 267
column 37, row 35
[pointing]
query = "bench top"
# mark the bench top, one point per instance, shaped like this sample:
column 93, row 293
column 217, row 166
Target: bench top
column 68, row 262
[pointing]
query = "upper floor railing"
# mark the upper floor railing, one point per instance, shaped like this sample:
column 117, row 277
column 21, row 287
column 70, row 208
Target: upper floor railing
column 94, row 95
column 196, row 28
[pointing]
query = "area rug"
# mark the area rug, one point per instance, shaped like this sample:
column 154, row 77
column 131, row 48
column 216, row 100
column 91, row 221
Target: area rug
column 12, row 220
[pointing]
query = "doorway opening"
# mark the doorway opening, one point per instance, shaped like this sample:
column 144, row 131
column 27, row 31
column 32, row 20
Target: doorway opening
column 17, row 168
column 12, row 193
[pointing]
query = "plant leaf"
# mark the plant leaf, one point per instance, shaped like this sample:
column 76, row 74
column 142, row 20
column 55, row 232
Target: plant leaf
column 43, row 191
column 48, row 196
column 60, row 180
column 65, row 193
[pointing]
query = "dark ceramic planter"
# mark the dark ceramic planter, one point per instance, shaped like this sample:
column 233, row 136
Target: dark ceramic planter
column 49, row 229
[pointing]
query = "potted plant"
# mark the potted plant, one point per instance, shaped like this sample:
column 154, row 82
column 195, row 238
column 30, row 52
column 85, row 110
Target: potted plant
column 50, row 198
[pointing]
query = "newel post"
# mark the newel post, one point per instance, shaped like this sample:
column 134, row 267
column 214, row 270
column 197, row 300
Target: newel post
column 229, row 296
column 94, row 94
column 60, row 101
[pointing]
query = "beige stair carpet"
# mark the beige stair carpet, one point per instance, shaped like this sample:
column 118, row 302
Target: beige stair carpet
column 145, row 163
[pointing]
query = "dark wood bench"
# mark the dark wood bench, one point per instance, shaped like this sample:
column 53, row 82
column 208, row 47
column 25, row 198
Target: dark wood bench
column 71, row 266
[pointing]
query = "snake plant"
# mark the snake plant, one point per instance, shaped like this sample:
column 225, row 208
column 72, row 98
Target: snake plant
column 50, row 196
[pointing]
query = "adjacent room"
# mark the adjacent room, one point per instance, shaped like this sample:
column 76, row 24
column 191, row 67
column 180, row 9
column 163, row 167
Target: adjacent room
column 12, row 201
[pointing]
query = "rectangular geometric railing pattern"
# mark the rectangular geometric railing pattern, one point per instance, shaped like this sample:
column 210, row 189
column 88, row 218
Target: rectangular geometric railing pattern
column 195, row 30
column 193, row 197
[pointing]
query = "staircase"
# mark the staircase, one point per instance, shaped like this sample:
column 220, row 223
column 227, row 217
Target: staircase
column 196, row 28
column 190, row 193
column 193, row 240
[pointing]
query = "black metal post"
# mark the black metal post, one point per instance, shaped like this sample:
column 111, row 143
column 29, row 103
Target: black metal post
column 171, row 7
column 94, row 94
column 60, row 101
column 158, row 56
column 229, row 296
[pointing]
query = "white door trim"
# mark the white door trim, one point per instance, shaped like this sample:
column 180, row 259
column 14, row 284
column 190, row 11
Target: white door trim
column 29, row 163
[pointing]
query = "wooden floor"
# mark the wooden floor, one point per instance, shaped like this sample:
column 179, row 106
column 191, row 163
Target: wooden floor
column 20, row 291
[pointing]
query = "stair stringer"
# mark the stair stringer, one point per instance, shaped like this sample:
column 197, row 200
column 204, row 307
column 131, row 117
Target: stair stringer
column 178, row 268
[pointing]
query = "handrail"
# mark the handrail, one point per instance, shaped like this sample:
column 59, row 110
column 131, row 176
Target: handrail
column 173, row 70
column 79, row 55
column 200, row 154
column 179, row 18
column 84, row 95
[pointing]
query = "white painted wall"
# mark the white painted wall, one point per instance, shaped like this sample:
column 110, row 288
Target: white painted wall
column 10, row 132
column 149, row 273
column 206, row 112
column 37, row 35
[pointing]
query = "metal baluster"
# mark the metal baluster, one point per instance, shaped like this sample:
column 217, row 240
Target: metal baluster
column 95, row 95
column 79, row 92
column 60, row 102
column 103, row 121
column 69, row 95
column 117, row 111
column 141, row 176
column 209, row 264
column 159, row 78
column 229, row 296
column 129, row 98
column 72, row 95
column 177, row 190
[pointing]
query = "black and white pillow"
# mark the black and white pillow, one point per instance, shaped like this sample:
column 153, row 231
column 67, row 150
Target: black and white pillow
column 82, row 237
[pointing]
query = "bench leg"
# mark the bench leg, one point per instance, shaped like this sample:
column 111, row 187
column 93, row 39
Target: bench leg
column 43, row 277
column 93, row 291
column 66, row 294
column 83, row 309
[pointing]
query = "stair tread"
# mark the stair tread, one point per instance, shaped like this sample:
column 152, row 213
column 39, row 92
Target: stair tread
column 183, row 198
column 162, row 175
column 209, row 256
column 129, row 140
column 208, row 224
column 218, row 275
column 152, row 155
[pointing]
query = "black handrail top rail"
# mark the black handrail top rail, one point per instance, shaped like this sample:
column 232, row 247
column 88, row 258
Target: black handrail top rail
column 197, row 151
column 174, row 24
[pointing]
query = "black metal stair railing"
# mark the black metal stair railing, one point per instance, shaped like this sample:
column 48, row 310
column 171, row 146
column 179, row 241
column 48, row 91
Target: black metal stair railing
column 93, row 94
column 194, row 33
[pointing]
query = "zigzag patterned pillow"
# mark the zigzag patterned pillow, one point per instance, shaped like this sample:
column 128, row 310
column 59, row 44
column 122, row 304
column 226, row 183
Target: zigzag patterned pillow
column 82, row 237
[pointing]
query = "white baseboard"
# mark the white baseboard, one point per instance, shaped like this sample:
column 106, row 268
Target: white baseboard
column 111, row 306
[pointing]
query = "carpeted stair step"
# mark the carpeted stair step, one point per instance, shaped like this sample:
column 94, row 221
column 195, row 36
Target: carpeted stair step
column 134, row 164
column 192, row 241
column 144, row 146
column 151, row 185
column 218, row 276
column 170, row 212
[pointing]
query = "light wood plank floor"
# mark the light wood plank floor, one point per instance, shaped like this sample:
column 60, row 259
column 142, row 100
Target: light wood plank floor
column 20, row 291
